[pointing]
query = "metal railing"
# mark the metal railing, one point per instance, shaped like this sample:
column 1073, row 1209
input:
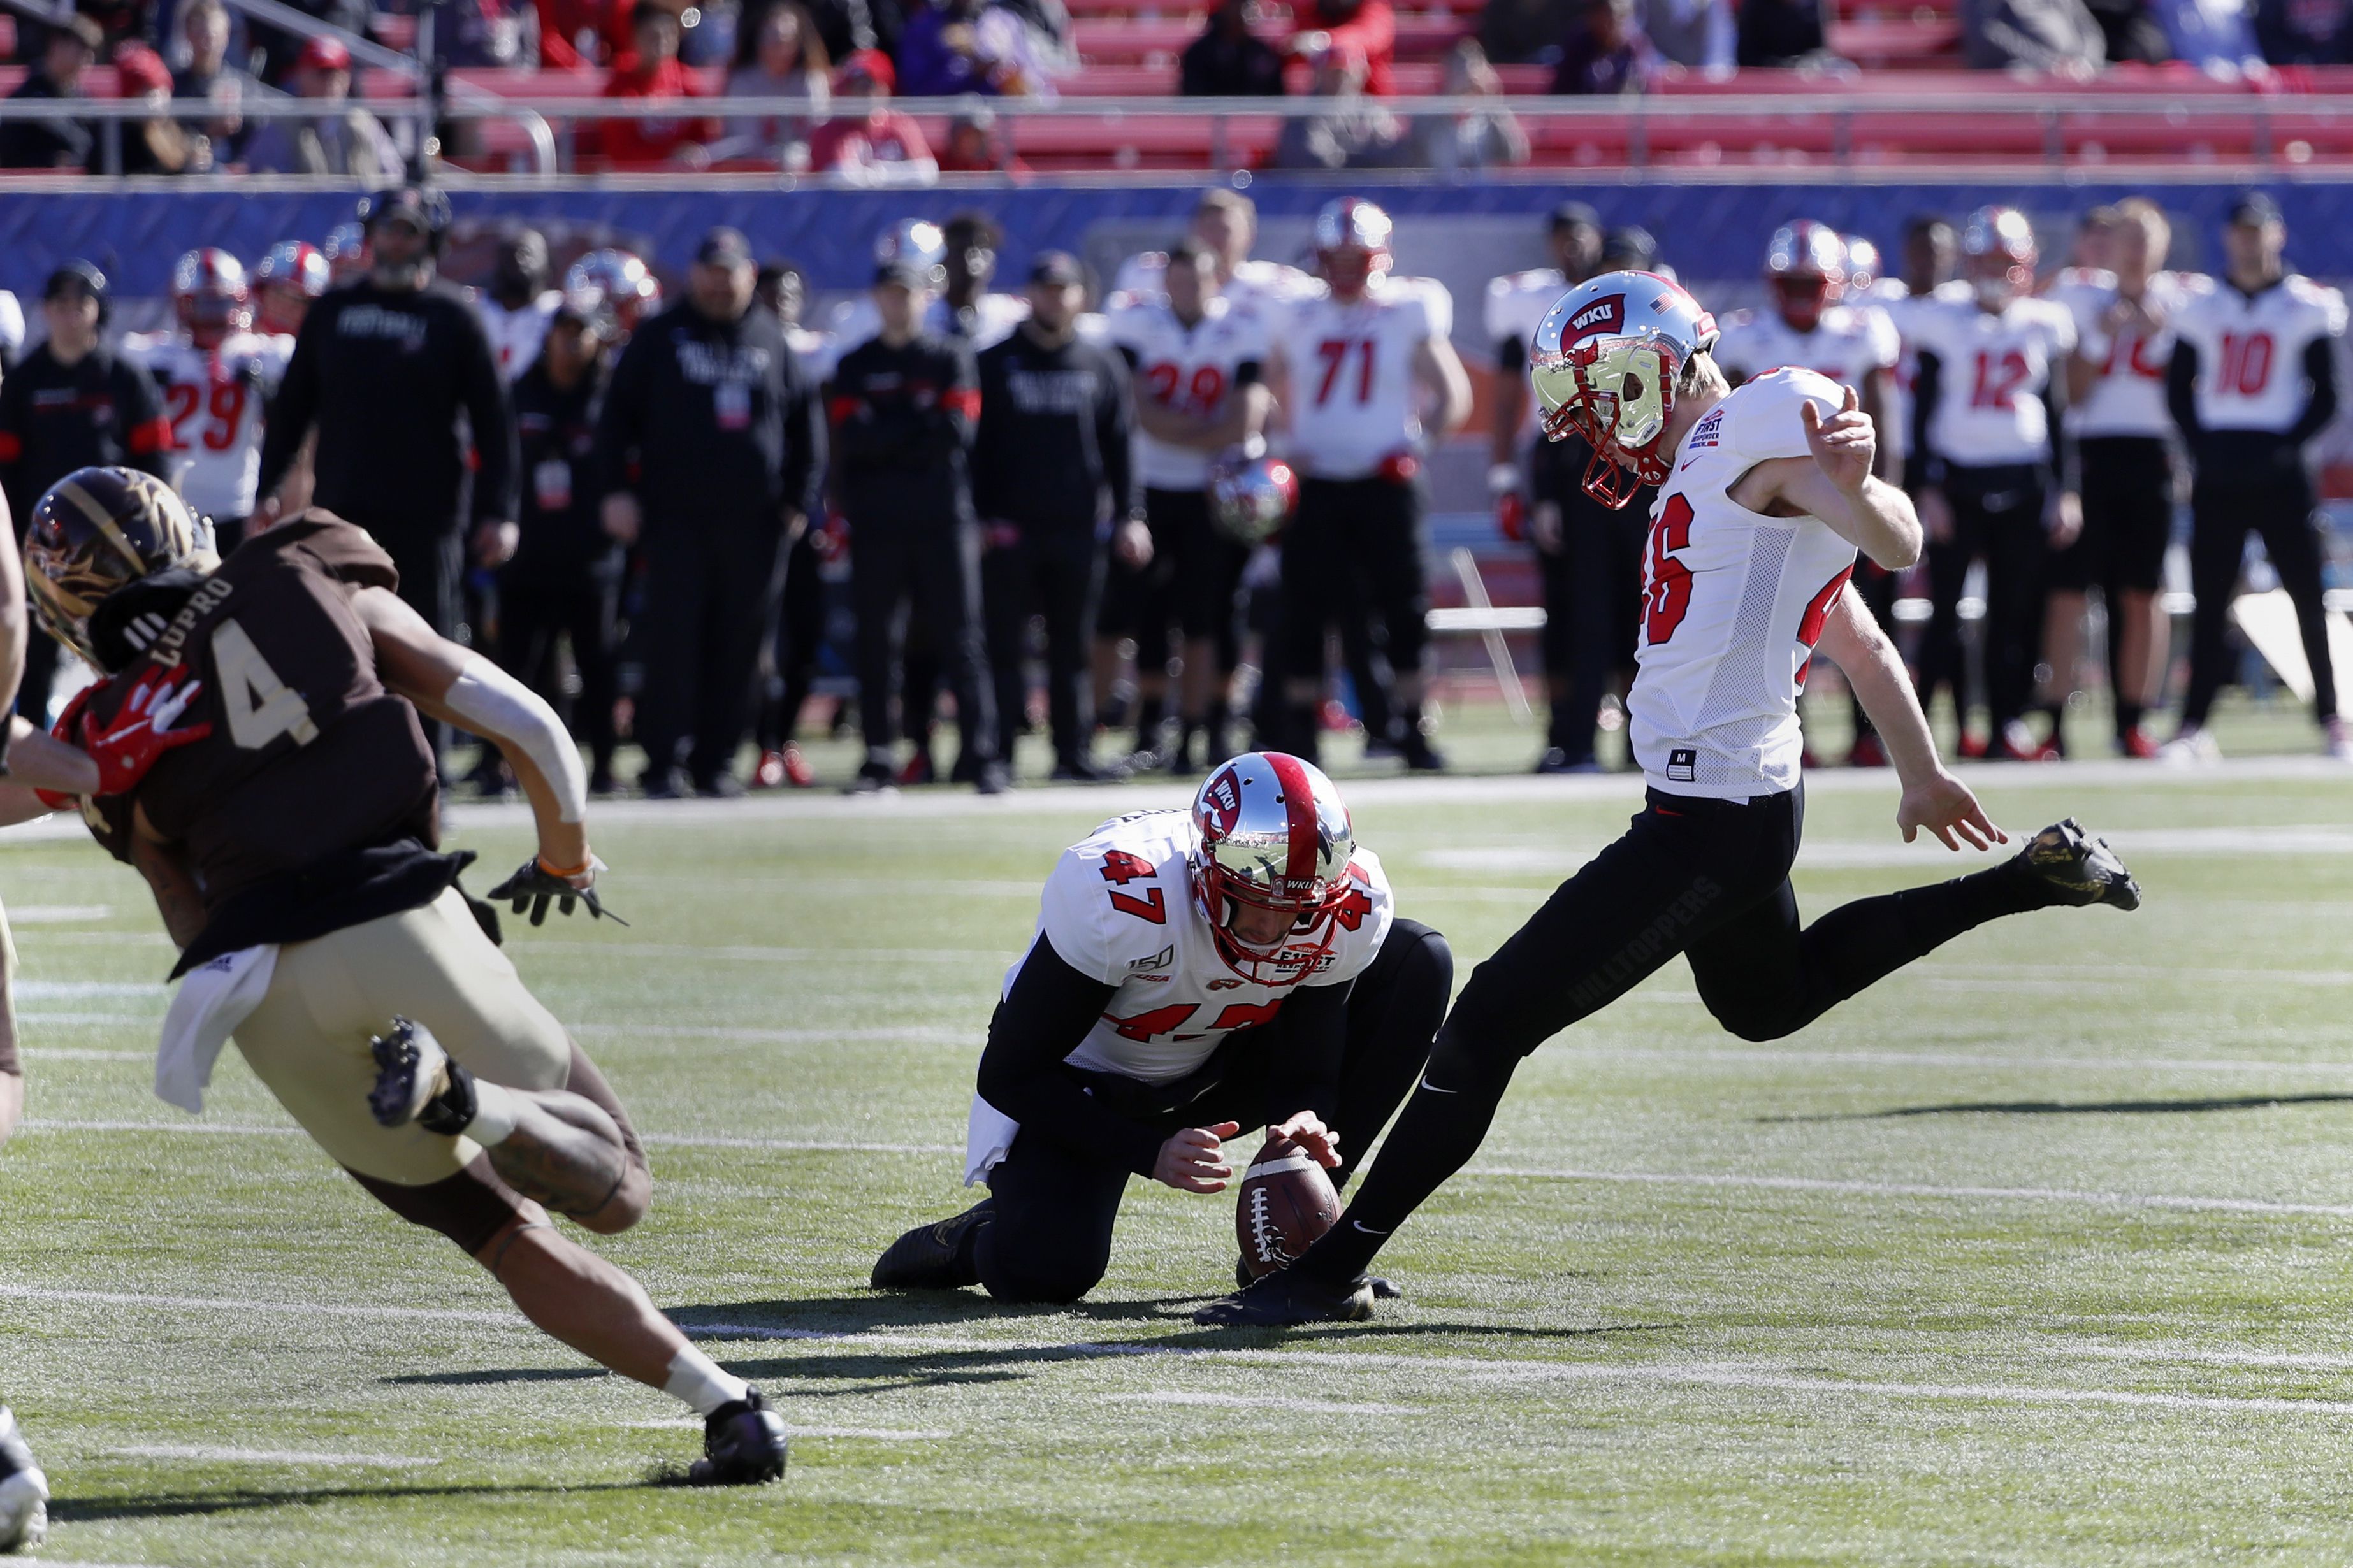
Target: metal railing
column 1668, row 132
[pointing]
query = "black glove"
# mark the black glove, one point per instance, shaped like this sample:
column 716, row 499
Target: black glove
column 532, row 885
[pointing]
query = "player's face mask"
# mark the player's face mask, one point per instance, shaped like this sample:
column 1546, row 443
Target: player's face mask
column 1802, row 301
column 1618, row 395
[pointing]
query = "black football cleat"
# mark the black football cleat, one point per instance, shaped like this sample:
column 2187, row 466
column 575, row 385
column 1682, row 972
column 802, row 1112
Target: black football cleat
column 931, row 1257
column 742, row 1445
column 1288, row 1297
column 24, row 1490
column 1384, row 1288
column 2079, row 866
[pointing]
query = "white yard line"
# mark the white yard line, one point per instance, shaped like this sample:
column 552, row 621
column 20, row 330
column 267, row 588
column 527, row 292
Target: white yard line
column 651, row 1139
column 1920, row 1190
column 1258, row 1402
column 1771, row 1056
column 241, row 1306
column 909, row 1036
column 57, row 914
column 526, row 944
column 207, row 1453
column 75, row 1054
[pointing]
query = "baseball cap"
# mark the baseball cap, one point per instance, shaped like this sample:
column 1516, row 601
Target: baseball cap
column 325, row 55
column 723, row 246
column 2254, row 208
column 75, row 277
column 868, row 65
column 1575, row 214
column 141, row 70
column 1057, row 269
column 82, row 29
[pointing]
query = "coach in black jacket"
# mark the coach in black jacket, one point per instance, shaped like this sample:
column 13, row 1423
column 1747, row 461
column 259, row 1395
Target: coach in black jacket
column 1050, row 470
column 713, row 450
column 384, row 369
column 905, row 406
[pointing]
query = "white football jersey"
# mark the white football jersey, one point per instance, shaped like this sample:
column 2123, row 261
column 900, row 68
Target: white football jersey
column 1899, row 304
column 1516, row 305
column 1848, row 344
column 2251, row 349
column 2128, row 398
column 214, row 400
column 1353, row 399
column 1992, row 368
column 855, row 323
column 1255, row 285
column 515, row 335
column 1190, row 369
column 1733, row 603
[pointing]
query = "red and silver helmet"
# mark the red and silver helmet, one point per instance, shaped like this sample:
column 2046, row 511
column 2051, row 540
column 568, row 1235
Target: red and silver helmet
column 1251, row 495
column 209, row 292
column 627, row 284
column 1351, row 245
column 1807, row 265
column 1604, row 364
column 346, row 250
column 1863, row 263
column 1999, row 255
column 285, row 281
column 1270, row 833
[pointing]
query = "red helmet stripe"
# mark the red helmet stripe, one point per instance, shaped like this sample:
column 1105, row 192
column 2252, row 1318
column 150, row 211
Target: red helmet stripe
column 1298, row 806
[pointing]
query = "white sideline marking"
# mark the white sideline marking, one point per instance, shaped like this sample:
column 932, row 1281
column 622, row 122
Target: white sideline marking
column 1258, row 1402
column 754, row 954
column 143, row 1020
column 912, row 1034
column 76, row 1054
column 651, row 1139
column 1770, row 1055
column 221, row 1128
column 1918, row 1190
column 57, row 914
column 265, row 1455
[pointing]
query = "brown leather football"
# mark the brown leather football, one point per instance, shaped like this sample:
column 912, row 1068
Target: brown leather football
column 1287, row 1200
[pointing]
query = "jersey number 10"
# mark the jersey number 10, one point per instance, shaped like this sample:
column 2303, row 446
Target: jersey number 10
column 2246, row 366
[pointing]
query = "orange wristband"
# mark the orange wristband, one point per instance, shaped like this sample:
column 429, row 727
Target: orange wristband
column 560, row 871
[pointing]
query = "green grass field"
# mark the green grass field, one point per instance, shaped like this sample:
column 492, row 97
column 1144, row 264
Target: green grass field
column 2037, row 1253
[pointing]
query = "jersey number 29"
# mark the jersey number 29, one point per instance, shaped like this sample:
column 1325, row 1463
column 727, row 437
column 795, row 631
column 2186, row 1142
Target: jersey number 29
column 226, row 405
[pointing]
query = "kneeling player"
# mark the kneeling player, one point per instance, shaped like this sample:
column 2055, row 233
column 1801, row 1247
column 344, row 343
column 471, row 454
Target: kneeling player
column 1194, row 974
column 1765, row 495
column 290, row 845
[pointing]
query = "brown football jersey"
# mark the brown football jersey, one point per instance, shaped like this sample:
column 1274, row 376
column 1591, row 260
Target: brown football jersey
column 309, row 754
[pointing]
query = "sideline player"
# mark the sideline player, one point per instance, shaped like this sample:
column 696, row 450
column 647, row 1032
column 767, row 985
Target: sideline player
column 1993, row 469
column 1196, row 364
column 1226, row 222
column 1767, row 492
column 285, row 281
column 289, row 843
column 1812, row 326
column 1195, row 973
column 2116, row 384
column 2252, row 380
column 216, row 375
column 1352, row 367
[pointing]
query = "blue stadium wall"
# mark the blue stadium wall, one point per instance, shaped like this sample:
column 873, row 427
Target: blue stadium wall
column 1710, row 231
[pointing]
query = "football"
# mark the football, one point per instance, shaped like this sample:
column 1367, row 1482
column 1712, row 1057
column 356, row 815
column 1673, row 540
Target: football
column 1286, row 1202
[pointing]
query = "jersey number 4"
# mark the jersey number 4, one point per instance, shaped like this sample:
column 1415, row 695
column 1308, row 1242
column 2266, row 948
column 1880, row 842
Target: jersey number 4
column 259, row 707
column 1334, row 352
column 1667, row 584
column 1122, row 867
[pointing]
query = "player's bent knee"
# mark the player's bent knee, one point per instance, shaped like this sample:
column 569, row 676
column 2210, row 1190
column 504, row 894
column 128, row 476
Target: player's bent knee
column 1041, row 1285
column 470, row 1208
column 627, row 1205
column 1755, row 1025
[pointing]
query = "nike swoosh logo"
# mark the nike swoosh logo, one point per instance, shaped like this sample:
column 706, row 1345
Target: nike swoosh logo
column 1687, row 463
column 1434, row 1088
column 1368, row 1230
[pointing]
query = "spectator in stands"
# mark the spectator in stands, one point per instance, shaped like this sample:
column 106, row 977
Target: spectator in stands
column 158, row 144
column 2057, row 37
column 281, row 51
column 976, row 147
column 651, row 70
column 1364, row 29
column 1484, row 138
column 1527, row 32
column 779, row 54
column 574, row 34
column 1227, row 60
column 2302, row 32
column 477, row 34
column 1698, row 34
column 352, row 141
column 71, row 47
column 1354, row 133
column 956, row 46
column 120, row 22
column 2133, row 34
column 870, row 143
column 1606, row 53
column 1780, row 34
column 205, row 28
column 847, row 26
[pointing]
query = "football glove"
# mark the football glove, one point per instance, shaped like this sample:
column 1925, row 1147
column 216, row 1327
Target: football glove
column 140, row 732
column 532, row 885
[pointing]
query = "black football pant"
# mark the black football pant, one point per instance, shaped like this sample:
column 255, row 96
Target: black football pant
column 932, row 565
column 2220, row 518
column 800, row 638
column 1050, row 1240
column 711, row 597
column 1706, row 878
column 1352, row 556
column 581, row 602
column 42, row 652
column 1057, row 577
column 432, row 566
column 1997, row 518
column 1604, row 554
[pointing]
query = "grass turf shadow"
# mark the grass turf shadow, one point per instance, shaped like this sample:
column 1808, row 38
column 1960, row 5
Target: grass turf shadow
column 196, row 1505
column 2078, row 1108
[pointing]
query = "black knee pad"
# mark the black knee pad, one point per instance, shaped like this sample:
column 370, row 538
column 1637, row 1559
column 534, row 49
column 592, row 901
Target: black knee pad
column 1047, row 1285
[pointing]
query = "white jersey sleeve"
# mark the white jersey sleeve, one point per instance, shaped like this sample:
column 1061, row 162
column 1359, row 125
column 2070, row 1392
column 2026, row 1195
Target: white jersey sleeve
column 1516, row 305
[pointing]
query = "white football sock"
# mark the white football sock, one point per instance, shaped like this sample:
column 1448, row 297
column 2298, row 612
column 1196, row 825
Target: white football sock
column 702, row 1381
column 495, row 1113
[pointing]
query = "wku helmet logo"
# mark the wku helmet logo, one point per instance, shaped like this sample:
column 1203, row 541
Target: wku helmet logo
column 1224, row 799
column 1605, row 314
